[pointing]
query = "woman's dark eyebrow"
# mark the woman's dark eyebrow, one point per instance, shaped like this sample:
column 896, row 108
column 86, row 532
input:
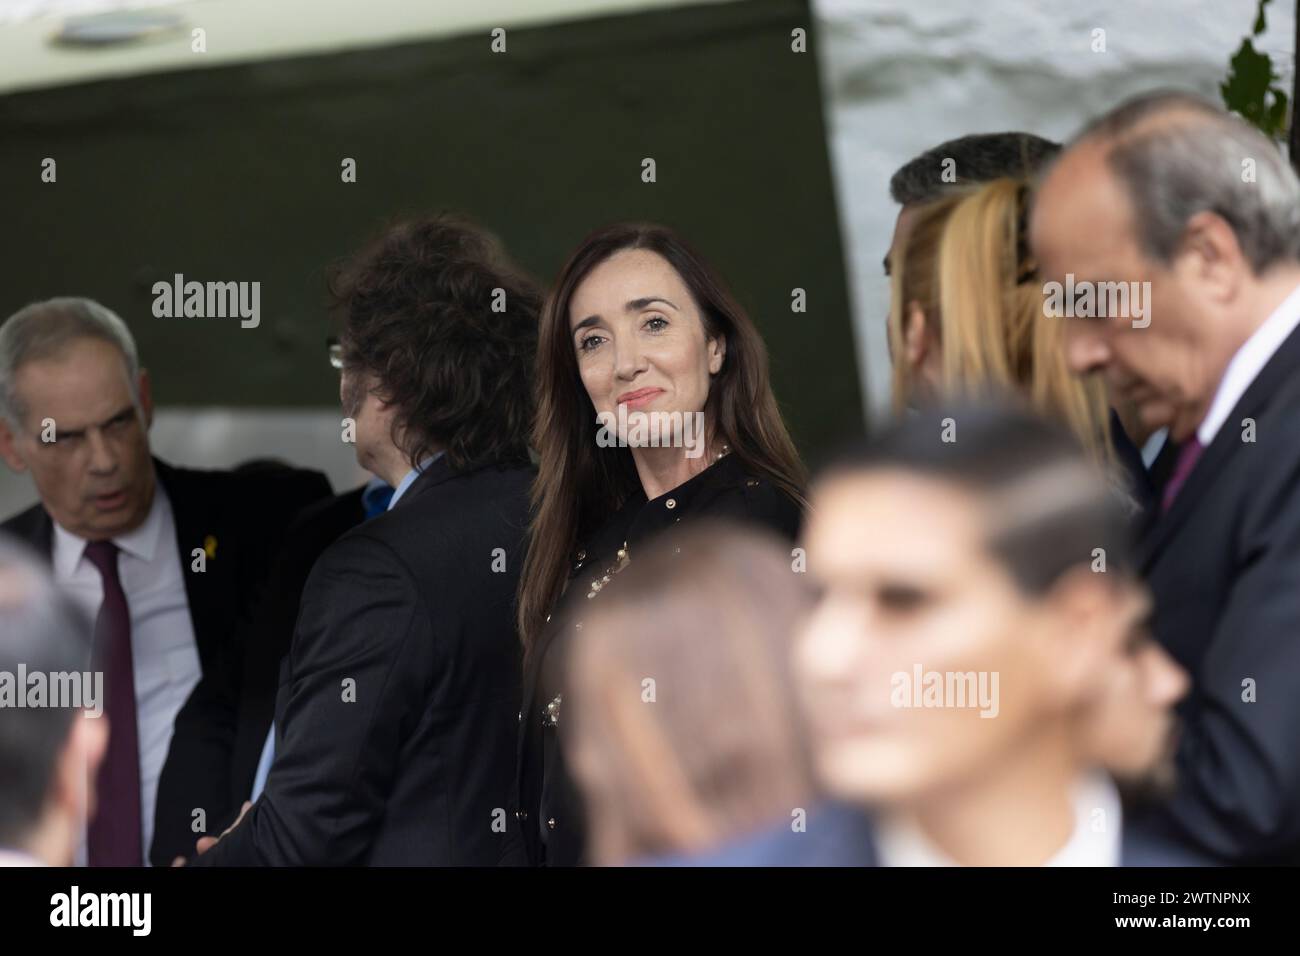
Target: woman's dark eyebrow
column 636, row 305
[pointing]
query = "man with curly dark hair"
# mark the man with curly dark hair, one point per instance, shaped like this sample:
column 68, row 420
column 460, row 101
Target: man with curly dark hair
column 397, row 712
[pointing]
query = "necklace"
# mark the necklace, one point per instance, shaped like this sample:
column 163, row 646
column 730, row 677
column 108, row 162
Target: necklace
column 621, row 558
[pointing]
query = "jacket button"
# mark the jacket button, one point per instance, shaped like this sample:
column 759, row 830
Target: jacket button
column 752, row 483
column 521, row 815
column 582, row 555
column 670, row 504
column 551, row 823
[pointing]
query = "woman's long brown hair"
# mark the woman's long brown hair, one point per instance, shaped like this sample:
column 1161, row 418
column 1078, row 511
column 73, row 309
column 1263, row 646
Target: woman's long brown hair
column 579, row 485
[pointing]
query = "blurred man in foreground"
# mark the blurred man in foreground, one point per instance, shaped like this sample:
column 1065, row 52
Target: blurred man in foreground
column 48, row 754
column 961, row 669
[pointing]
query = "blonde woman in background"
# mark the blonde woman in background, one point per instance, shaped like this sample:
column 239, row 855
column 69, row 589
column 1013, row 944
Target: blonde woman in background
column 967, row 317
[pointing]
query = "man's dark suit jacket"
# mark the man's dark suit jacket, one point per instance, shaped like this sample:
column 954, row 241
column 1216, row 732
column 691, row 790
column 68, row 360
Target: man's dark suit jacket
column 245, row 515
column 236, row 700
column 398, row 703
column 837, row 834
column 1129, row 459
column 1224, row 567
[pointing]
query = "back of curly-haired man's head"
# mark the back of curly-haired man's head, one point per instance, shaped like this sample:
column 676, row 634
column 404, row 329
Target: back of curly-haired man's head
column 443, row 326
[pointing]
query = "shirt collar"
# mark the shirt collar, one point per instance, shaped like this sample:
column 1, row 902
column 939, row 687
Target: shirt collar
column 140, row 542
column 376, row 495
column 720, row 473
column 636, row 517
column 1094, row 842
column 409, row 480
column 18, row 858
column 1248, row 363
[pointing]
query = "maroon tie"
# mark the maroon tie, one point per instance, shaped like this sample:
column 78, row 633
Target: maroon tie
column 113, row 837
column 1187, row 456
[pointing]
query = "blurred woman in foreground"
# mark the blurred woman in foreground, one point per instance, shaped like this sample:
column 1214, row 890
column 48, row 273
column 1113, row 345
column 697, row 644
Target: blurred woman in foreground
column 685, row 731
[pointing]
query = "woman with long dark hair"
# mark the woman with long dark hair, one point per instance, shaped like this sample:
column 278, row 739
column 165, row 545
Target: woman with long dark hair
column 653, row 407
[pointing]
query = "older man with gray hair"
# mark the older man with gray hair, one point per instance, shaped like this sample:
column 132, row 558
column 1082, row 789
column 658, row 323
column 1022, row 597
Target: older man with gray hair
column 165, row 560
column 1198, row 215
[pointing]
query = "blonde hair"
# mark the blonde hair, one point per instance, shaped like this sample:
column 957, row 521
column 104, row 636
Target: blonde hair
column 965, row 263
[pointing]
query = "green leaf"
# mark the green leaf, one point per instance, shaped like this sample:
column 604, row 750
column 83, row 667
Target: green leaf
column 1259, row 17
column 1248, row 89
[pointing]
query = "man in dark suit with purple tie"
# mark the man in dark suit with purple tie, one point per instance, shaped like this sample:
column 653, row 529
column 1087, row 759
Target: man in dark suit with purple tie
column 1196, row 216
column 166, row 560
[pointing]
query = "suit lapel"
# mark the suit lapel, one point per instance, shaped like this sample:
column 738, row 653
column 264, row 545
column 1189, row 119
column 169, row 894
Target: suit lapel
column 195, row 528
column 40, row 533
column 1163, row 465
column 1213, row 459
column 1227, row 443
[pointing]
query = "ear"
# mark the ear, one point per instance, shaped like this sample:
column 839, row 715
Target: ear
column 9, row 447
column 1210, row 255
column 1087, row 618
column 145, row 389
column 717, row 352
column 916, row 335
